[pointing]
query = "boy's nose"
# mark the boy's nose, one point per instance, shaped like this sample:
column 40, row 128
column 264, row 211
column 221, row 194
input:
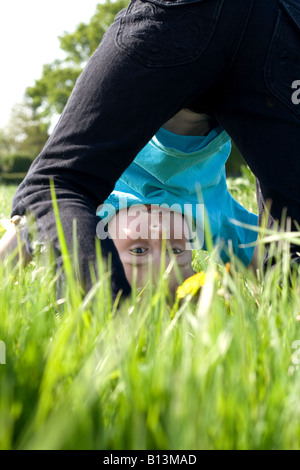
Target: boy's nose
column 156, row 257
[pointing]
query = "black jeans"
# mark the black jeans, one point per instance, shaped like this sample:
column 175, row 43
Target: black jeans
column 234, row 59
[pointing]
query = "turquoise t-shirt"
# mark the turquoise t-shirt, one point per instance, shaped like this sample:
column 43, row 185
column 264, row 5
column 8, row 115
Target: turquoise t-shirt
column 187, row 174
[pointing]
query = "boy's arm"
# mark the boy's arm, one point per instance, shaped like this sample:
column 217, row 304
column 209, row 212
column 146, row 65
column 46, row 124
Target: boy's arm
column 10, row 242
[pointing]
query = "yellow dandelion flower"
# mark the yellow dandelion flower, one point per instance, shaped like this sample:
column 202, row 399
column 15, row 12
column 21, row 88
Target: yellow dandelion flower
column 191, row 285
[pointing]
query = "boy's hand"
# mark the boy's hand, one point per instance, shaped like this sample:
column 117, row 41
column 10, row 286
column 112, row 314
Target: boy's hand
column 10, row 242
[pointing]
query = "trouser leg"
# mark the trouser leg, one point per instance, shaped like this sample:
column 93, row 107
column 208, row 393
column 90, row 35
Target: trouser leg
column 256, row 108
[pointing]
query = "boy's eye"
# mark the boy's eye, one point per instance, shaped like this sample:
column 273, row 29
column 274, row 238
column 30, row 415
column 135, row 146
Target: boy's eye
column 138, row 250
column 176, row 251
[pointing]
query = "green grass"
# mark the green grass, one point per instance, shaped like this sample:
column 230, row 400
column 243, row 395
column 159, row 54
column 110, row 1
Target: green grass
column 219, row 371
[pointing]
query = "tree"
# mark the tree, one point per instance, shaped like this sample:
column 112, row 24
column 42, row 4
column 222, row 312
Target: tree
column 5, row 143
column 25, row 133
column 50, row 93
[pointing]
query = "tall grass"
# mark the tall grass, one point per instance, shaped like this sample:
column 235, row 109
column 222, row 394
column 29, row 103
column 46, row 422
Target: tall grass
column 216, row 371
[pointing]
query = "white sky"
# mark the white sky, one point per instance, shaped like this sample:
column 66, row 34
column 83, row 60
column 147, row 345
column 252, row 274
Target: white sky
column 29, row 31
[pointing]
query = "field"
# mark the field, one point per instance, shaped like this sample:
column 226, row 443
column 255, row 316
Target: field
column 215, row 371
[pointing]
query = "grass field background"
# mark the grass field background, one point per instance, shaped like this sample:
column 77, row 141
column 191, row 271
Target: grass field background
column 216, row 371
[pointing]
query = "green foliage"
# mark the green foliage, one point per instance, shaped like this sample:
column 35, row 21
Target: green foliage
column 20, row 142
column 15, row 163
column 25, row 134
column 81, row 44
column 6, row 195
column 219, row 371
column 51, row 92
column 5, row 143
column 243, row 188
column 235, row 162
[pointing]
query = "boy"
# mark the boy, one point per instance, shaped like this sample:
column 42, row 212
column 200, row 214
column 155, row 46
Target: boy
column 235, row 60
column 178, row 178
